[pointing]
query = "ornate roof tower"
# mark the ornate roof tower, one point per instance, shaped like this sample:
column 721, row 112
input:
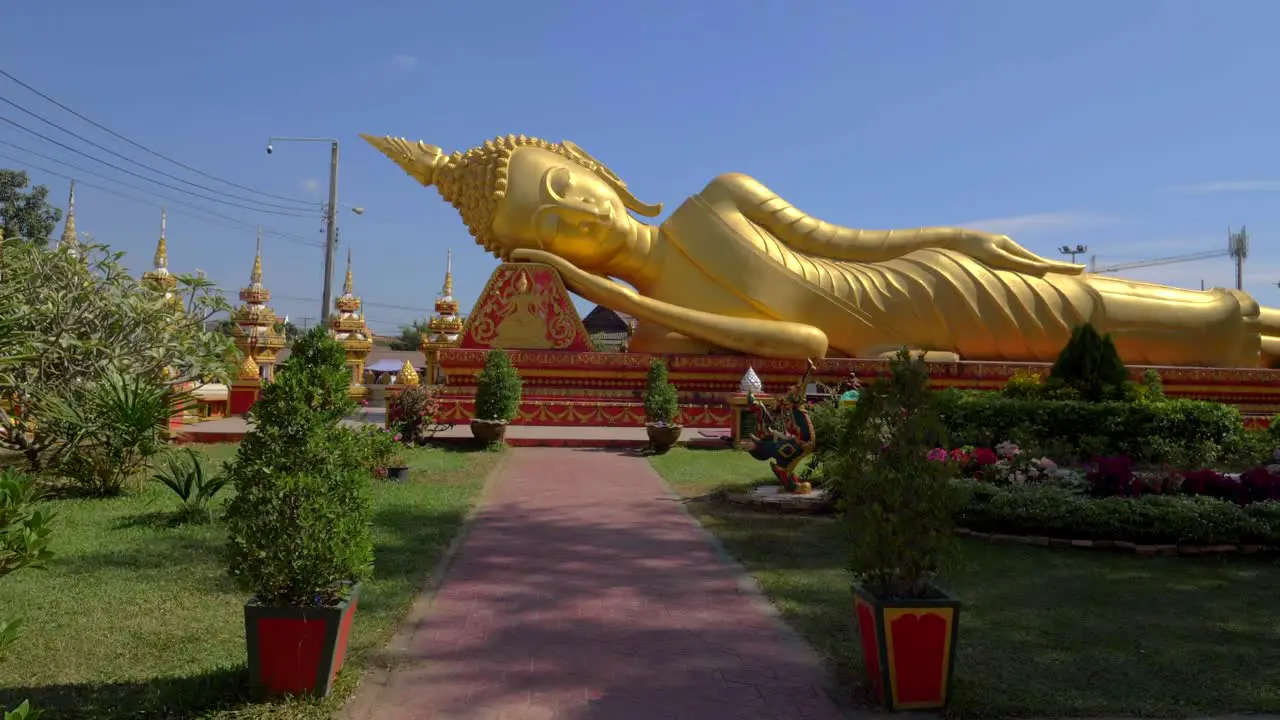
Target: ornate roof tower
column 348, row 327
column 255, row 333
column 69, row 241
column 158, row 277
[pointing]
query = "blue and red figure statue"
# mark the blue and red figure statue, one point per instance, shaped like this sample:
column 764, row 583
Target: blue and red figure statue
column 790, row 446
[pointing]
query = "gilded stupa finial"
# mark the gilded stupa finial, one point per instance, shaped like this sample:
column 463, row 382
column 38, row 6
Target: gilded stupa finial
column 248, row 369
column 69, row 229
column 162, row 247
column 255, row 275
column 348, row 287
column 408, row 376
column 448, row 275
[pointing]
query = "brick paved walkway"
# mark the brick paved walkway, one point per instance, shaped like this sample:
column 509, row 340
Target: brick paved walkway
column 584, row 592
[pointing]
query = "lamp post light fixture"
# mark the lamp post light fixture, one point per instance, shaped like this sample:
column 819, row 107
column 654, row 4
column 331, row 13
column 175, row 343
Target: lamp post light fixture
column 1073, row 251
column 330, row 212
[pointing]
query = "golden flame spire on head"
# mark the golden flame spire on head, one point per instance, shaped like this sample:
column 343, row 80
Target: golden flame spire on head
column 69, row 230
column 348, row 287
column 162, row 247
column 448, row 275
column 475, row 181
column 255, row 275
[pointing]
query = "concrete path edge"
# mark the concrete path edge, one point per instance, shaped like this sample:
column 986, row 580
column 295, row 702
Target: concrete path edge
column 751, row 587
column 365, row 696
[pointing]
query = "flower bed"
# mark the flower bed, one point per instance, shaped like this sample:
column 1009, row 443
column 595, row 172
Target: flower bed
column 1109, row 503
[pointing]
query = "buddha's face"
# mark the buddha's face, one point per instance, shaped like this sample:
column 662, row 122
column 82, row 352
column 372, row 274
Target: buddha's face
column 556, row 205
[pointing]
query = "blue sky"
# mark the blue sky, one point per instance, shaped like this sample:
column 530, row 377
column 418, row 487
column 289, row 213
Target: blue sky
column 1141, row 128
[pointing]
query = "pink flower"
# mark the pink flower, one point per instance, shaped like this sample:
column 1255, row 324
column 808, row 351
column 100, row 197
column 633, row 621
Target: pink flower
column 397, row 437
column 938, row 455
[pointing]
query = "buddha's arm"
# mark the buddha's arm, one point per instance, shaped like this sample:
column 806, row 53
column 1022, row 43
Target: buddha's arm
column 761, row 338
column 807, row 234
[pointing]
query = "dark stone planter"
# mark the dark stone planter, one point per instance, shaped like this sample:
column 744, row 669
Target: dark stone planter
column 662, row 437
column 398, row 473
column 908, row 648
column 297, row 650
column 489, row 431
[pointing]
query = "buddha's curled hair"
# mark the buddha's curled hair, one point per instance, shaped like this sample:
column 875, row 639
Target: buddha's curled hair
column 475, row 181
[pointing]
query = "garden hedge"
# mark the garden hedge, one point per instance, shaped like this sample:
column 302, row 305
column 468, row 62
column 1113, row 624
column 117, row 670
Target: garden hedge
column 1048, row 510
column 1143, row 430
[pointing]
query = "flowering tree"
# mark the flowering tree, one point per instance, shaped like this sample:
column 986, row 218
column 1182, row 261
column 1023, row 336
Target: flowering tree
column 82, row 318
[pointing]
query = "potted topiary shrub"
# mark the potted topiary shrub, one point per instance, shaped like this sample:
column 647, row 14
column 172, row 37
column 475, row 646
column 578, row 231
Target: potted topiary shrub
column 497, row 397
column 300, row 522
column 898, row 514
column 661, row 404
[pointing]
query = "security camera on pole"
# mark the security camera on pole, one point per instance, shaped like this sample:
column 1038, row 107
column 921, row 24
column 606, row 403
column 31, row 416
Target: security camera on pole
column 330, row 213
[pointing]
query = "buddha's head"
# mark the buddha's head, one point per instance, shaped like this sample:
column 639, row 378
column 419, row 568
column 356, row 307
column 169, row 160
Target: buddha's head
column 520, row 192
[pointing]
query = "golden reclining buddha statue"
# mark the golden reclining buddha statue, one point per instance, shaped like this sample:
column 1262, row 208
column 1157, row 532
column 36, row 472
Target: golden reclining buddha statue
column 736, row 268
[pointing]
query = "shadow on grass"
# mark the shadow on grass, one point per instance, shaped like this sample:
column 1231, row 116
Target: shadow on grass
column 172, row 697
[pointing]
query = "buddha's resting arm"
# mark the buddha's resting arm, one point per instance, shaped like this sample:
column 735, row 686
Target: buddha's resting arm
column 767, row 338
column 807, row 234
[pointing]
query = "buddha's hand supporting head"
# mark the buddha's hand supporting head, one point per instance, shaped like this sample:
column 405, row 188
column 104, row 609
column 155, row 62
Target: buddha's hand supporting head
column 524, row 193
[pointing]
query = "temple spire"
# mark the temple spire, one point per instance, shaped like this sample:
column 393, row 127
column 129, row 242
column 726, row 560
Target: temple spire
column 162, row 247
column 255, row 275
column 69, row 229
column 448, row 275
column 348, row 288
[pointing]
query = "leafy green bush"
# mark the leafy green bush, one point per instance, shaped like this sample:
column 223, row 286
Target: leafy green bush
column 301, row 520
column 187, row 474
column 1154, row 385
column 1024, row 384
column 380, row 446
column 1090, row 365
column 1186, row 432
column 111, row 429
column 898, row 504
column 24, row 542
column 1048, row 510
column 661, row 400
column 498, row 388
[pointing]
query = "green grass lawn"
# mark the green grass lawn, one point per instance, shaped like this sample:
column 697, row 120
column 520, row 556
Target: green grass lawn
column 136, row 618
column 1044, row 632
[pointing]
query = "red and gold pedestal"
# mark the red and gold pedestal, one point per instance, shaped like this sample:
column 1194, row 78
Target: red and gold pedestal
column 242, row 395
column 743, row 418
column 908, row 648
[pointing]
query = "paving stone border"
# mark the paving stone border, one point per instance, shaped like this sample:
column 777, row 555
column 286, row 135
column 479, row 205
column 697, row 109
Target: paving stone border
column 770, row 497
column 1166, row 550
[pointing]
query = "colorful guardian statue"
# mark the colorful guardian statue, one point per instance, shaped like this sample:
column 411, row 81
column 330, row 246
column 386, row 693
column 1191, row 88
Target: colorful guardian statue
column 738, row 268
column 788, row 447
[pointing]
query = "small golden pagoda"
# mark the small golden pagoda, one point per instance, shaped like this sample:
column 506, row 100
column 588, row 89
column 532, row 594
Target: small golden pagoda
column 69, row 241
column 348, row 327
column 255, row 334
column 159, row 278
column 444, row 329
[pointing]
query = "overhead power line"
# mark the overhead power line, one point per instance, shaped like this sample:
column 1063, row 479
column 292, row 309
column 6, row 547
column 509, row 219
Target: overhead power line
column 295, row 213
column 207, row 215
column 148, row 191
column 363, row 302
column 148, row 150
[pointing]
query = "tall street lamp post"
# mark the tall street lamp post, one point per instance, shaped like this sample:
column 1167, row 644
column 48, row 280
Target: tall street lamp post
column 330, row 212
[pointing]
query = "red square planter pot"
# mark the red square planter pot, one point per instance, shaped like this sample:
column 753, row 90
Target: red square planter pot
column 908, row 647
column 297, row 650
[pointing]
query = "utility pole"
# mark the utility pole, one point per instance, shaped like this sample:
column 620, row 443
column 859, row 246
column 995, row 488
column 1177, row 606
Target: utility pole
column 330, row 229
column 330, row 212
column 1073, row 251
column 1238, row 248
